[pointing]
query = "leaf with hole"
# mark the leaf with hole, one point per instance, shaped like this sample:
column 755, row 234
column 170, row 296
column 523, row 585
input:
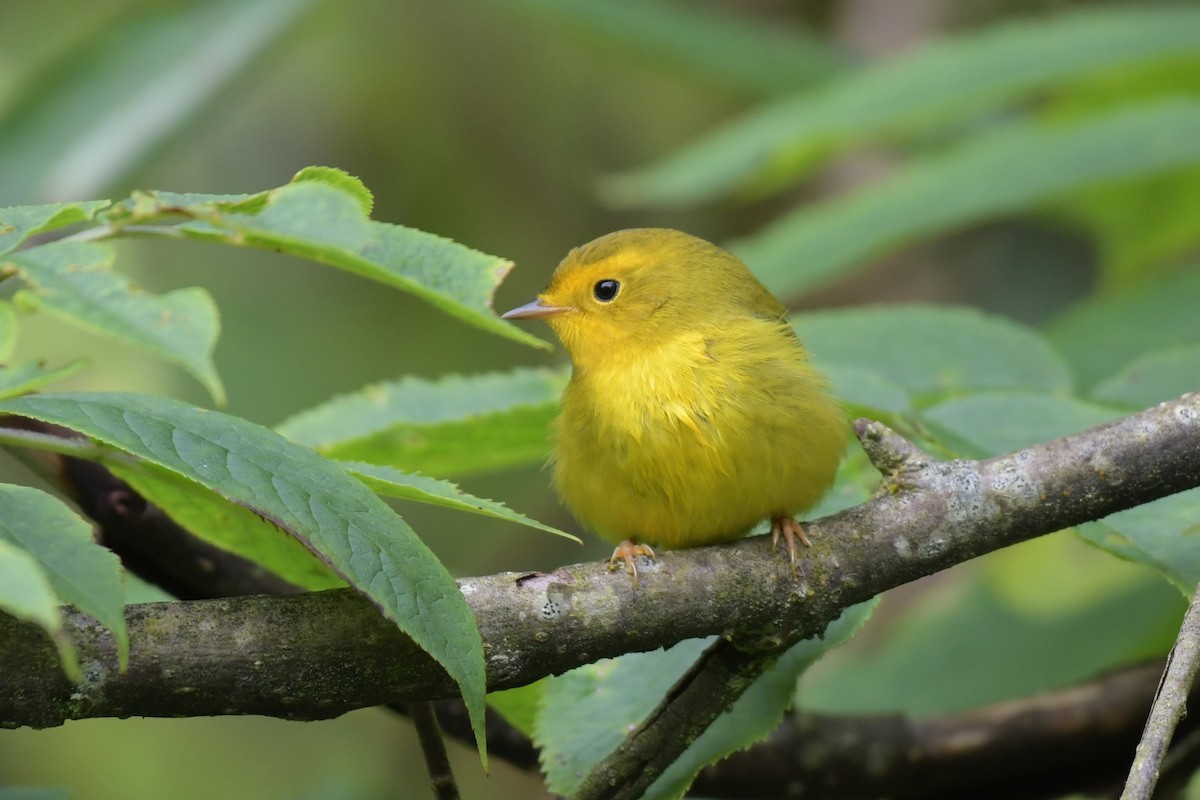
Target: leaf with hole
column 322, row 216
column 18, row 223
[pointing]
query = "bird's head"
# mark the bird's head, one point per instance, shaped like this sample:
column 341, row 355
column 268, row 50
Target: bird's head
column 641, row 287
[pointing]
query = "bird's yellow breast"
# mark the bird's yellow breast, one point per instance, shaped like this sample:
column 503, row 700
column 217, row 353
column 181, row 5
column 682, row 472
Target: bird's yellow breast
column 697, row 439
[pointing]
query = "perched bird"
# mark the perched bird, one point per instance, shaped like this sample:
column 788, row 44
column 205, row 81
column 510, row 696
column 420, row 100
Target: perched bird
column 692, row 412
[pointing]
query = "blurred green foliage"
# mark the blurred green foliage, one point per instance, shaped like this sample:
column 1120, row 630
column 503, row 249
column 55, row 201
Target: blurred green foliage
column 1043, row 168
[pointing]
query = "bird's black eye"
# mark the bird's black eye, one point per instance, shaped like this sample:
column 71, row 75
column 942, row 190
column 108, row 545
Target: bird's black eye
column 606, row 290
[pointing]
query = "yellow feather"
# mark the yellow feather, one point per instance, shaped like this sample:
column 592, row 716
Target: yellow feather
column 693, row 411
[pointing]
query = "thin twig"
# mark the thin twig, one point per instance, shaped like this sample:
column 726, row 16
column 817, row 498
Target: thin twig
column 436, row 761
column 1169, row 707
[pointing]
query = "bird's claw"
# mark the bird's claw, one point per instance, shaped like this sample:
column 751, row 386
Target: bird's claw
column 627, row 552
column 789, row 530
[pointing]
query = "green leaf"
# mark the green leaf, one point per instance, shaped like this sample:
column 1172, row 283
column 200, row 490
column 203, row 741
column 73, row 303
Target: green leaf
column 1031, row 618
column 456, row 279
column 1016, row 167
column 1153, row 378
column 341, row 180
column 520, row 706
column 451, row 426
column 1000, row 422
column 25, row 593
column 1107, row 332
column 333, row 514
column 951, row 80
column 392, row 482
column 760, row 709
column 933, row 350
column 75, row 282
column 77, row 570
column 34, row 793
column 1164, row 534
column 587, row 712
column 93, row 118
column 856, row 479
column 1141, row 225
column 719, row 47
column 8, row 331
column 18, row 223
column 323, row 220
column 27, row 376
column 221, row 522
column 868, row 392
column 987, row 424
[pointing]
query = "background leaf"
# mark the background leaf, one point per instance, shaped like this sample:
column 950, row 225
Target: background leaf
column 994, row 638
column 1162, row 534
column 760, row 709
column 80, row 129
column 1105, row 333
column 520, row 706
column 33, row 793
column 1000, row 422
column 8, row 331
column 711, row 45
column 586, row 713
column 75, row 282
column 948, row 81
column 1153, row 378
column 932, row 351
column 1021, row 166
column 451, row 426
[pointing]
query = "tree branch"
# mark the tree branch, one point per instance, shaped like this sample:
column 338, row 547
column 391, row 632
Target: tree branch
column 926, row 516
column 1075, row 739
column 1043, row 746
column 318, row 655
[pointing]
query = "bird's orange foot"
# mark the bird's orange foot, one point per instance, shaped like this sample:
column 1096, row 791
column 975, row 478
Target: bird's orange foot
column 627, row 552
column 790, row 530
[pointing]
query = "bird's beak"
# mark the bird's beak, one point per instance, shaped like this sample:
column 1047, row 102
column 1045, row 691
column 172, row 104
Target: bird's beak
column 535, row 310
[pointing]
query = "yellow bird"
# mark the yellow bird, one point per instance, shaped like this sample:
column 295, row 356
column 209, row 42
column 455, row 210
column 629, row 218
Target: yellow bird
column 693, row 411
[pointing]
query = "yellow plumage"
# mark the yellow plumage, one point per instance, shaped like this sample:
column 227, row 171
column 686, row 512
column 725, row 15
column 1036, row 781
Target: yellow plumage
column 693, row 411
